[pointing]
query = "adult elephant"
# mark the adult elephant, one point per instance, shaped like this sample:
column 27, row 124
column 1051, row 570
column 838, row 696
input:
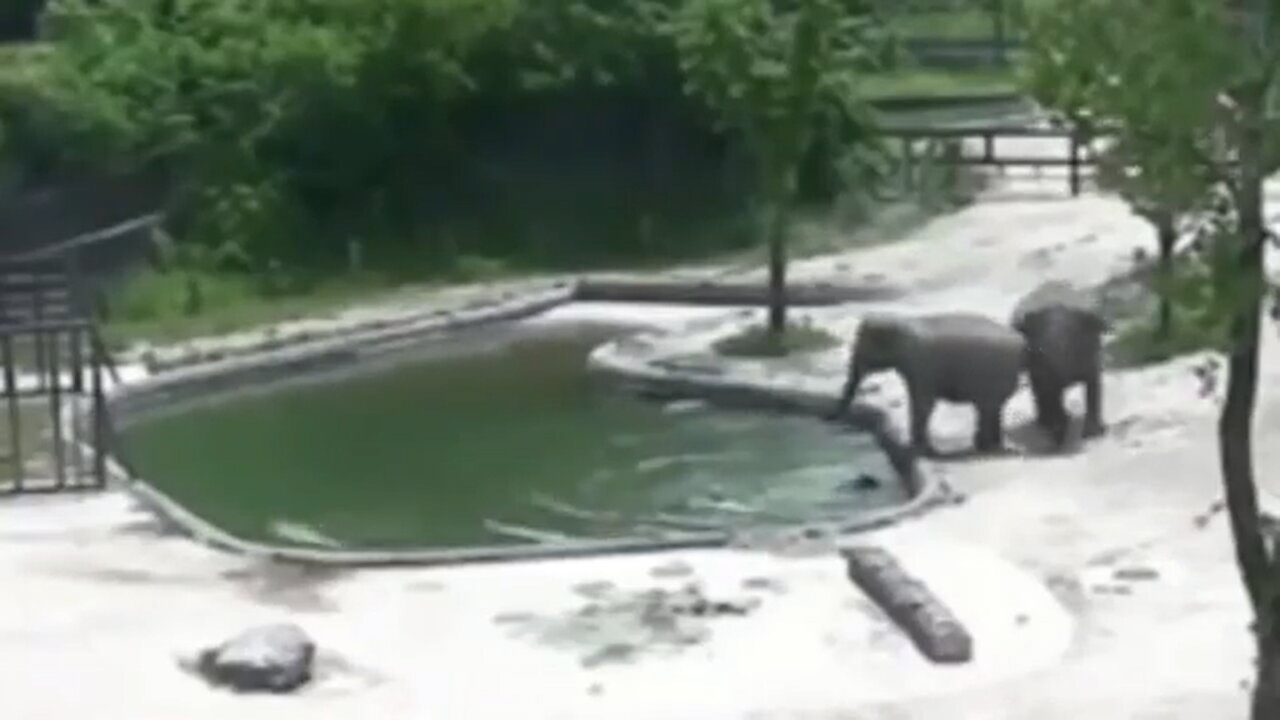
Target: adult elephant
column 1063, row 329
column 957, row 357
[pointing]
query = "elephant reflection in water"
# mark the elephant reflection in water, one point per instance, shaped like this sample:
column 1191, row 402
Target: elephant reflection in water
column 958, row 357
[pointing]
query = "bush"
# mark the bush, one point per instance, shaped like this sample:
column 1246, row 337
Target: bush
column 757, row 342
column 152, row 295
column 527, row 132
column 1138, row 343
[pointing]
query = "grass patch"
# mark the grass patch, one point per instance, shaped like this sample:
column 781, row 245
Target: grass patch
column 159, row 307
column 757, row 342
column 937, row 83
column 957, row 24
column 1137, row 343
column 23, row 58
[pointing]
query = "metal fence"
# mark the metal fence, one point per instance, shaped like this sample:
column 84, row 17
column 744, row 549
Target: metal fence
column 52, row 363
column 956, row 33
column 976, row 146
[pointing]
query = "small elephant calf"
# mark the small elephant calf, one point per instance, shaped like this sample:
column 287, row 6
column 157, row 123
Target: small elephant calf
column 959, row 357
column 1063, row 330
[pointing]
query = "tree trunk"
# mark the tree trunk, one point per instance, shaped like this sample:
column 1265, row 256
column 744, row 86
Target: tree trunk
column 1266, row 688
column 778, row 268
column 1235, row 442
column 1167, row 234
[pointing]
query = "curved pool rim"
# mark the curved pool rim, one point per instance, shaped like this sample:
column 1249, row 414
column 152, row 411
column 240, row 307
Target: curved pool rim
column 611, row 359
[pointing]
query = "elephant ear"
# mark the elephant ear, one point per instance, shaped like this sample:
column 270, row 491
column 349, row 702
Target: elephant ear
column 1020, row 320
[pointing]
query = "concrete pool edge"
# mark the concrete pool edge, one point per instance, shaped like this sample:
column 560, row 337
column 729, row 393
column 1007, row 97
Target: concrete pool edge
column 305, row 352
column 208, row 377
column 520, row 299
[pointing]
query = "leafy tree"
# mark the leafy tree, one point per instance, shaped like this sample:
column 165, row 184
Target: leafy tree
column 588, row 42
column 427, row 129
column 1199, row 76
column 1081, row 59
column 775, row 72
column 245, row 103
column 419, row 127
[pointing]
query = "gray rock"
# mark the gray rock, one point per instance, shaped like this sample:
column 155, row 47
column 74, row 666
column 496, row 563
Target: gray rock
column 271, row 658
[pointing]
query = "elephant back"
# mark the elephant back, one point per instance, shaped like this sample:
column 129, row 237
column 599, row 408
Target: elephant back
column 1054, row 294
column 974, row 357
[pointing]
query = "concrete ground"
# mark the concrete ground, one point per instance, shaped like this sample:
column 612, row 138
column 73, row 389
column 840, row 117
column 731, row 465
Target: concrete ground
column 1097, row 583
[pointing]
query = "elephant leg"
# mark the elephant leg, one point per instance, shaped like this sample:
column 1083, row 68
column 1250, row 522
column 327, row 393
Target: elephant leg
column 1047, row 393
column 1093, row 425
column 1058, row 420
column 922, row 404
column 990, row 435
column 1051, row 413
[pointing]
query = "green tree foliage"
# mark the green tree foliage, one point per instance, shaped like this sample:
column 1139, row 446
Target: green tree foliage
column 435, row 132
column 1186, row 86
column 775, row 74
column 276, row 118
column 588, row 42
column 1083, row 62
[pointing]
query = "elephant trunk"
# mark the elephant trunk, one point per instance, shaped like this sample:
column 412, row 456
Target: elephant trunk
column 851, row 384
column 1053, row 348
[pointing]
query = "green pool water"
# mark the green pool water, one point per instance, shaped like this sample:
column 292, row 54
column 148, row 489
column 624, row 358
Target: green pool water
column 497, row 437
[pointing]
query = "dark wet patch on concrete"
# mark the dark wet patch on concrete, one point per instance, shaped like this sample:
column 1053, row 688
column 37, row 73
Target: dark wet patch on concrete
column 512, row 618
column 1101, row 589
column 674, row 569
column 1130, row 574
column 296, row 587
column 333, row 670
column 1068, row 591
column 152, row 525
column 426, row 586
column 594, row 590
column 617, row 625
column 128, row 576
column 765, row 584
column 124, row 576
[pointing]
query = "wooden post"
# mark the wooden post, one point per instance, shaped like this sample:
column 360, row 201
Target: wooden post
column 99, row 412
column 1075, row 163
column 15, row 416
column 55, row 410
column 75, row 421
column 37, row 317
column 908, row 163
column 77, row 305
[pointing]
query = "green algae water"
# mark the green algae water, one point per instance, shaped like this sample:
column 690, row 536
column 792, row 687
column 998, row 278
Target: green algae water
column 495, row 437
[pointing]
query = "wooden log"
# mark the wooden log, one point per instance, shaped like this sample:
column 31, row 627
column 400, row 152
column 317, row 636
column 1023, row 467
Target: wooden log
column 938, row 635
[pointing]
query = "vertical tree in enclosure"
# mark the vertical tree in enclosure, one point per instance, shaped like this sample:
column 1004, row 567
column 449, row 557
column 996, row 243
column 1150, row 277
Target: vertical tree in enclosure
column 774, row 73
column 1185, row 85
column 1161, row 161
